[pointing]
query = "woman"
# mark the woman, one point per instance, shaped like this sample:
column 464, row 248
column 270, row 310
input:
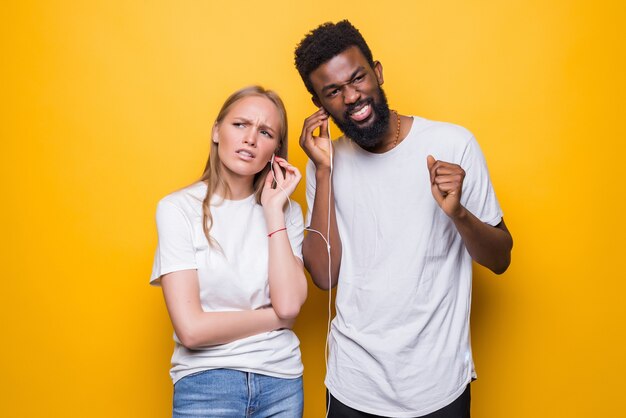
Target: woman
column 229, row 263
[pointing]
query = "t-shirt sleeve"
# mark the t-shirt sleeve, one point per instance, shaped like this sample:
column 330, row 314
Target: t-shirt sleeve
column 310, row 190
column 295, row 228
column 478, row 195
column 175, row 250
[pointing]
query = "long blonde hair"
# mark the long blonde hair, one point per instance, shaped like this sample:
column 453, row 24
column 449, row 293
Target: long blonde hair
column 211, row 175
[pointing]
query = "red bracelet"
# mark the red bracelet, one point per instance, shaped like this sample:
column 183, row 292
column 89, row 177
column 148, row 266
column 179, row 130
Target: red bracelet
column 278, row 230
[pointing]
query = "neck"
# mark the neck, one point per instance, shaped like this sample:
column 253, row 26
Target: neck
column 239, row 187
column 391, row 138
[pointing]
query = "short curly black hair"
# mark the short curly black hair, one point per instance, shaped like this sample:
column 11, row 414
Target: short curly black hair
column 323, row 43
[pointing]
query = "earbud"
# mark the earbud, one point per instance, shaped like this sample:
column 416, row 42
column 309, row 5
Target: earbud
column 272, row 160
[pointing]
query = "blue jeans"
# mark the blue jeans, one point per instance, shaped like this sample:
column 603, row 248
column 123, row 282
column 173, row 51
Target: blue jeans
column 233, row 394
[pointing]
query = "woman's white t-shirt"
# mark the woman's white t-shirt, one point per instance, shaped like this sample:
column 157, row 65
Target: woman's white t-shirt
column 233, row 277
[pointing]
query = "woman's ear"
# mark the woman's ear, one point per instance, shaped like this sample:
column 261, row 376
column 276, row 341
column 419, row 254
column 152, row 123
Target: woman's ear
column 215, row 134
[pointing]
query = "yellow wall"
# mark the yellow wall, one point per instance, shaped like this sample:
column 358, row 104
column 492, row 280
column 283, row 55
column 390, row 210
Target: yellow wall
column 107, row 107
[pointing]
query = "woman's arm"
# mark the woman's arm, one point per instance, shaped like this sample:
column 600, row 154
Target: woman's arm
column 196, row 328
column 288, row 287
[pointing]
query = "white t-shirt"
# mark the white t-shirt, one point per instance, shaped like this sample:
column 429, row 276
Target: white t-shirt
column 400, row 342
column 231, row 280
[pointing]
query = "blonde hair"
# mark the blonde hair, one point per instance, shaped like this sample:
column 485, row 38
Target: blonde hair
column 211, row 175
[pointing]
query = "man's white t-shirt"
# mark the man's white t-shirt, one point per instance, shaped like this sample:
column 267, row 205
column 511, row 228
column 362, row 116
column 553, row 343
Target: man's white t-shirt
column 400, row 342
column 231, row 279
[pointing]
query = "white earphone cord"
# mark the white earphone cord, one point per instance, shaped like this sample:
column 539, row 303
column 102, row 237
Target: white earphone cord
column 330, row 295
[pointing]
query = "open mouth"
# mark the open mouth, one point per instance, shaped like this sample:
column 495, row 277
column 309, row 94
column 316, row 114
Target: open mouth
column 360, row 112
column 244, row 154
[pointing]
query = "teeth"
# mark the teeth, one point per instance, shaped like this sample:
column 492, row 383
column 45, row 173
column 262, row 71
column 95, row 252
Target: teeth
column 362, row 111
column 245, row 153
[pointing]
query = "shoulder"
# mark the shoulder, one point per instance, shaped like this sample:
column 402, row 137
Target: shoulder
column 187, row 200
column 442, row 131
column 342, row 144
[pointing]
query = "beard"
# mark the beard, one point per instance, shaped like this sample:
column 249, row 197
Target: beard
column 369, row 136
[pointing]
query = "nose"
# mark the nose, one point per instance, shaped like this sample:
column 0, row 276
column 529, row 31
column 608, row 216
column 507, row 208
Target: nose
column 350, row 94
column 249, row 137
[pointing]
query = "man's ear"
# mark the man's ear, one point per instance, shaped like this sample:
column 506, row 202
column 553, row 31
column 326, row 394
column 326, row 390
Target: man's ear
column 316, row 101
column 378, row 70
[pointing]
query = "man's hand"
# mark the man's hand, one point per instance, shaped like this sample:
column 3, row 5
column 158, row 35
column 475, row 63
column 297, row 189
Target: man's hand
column 317, row 148
column 446, row 181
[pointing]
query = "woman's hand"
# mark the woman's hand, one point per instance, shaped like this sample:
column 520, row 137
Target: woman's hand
column 274, row 198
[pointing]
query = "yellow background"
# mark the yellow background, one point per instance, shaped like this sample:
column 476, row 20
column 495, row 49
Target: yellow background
column 107, row 106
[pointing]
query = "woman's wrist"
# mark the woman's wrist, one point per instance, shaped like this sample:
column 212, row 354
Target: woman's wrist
column 273, row 209
column 276, row 231
column 274, row 220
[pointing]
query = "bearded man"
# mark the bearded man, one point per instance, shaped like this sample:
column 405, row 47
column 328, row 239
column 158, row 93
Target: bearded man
column 405, row 207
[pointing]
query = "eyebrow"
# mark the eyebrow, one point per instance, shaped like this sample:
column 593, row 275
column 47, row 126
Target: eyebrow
column 250, row 122
column 352, row 77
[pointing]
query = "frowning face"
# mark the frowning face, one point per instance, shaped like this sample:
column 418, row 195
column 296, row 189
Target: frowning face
column 247, row 136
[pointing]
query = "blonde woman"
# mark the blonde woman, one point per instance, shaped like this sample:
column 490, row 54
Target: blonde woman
column 229, row 263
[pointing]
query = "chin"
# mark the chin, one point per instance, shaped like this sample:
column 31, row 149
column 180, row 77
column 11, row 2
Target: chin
column 371, row 131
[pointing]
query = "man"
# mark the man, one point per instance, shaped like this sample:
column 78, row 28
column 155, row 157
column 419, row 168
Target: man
column 411, row 204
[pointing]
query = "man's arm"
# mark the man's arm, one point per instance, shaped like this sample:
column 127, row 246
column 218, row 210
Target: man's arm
column 488, row 245
column 314, row 248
